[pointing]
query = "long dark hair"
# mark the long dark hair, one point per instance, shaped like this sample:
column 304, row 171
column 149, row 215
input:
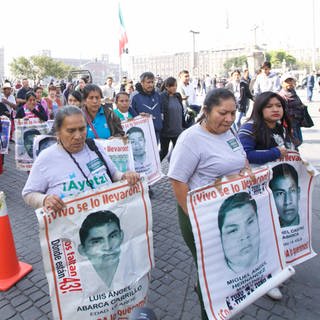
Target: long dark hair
column 169, row 82
column 261, row 131
column 214, row 99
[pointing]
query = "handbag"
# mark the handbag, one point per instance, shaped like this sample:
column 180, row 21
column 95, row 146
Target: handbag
column 307, row 120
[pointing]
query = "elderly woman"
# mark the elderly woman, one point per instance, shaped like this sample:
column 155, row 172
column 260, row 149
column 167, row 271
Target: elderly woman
column 200, row 154
column 70, row 166
column 101, row 122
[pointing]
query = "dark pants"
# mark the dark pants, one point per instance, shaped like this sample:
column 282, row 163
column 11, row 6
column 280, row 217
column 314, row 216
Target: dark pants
column 187, row 235
column 164, row 144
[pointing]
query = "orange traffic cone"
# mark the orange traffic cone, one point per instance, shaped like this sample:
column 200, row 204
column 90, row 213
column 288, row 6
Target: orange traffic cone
column 11, row 270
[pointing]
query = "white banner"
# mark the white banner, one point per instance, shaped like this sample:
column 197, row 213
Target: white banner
column 145, row 151
column 98, row 252
column 25, row 131
column 236, row 230
column 5, row 128
column 120, row 152
column 292, row 186
column 41, row 142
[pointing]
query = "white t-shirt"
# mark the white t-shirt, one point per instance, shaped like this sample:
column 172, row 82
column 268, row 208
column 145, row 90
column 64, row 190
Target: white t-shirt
column 200, row 157
column 11, row 99
column 54, row 172
column 187, row 90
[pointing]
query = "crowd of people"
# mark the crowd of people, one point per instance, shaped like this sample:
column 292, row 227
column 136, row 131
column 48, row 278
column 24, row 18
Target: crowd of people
column 202, row 137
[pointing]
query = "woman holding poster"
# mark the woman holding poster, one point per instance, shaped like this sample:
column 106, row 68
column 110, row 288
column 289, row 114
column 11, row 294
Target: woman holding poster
column 194, row 165
column 267, row 137
column 31, row 109
column 71, row 166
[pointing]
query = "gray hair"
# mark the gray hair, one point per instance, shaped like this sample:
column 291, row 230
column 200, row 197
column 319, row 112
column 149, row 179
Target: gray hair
column 64, row 112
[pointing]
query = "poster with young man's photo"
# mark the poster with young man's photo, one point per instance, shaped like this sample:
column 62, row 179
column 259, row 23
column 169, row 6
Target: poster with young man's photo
column 98, row 252
column 141, row 135
column 120, row 152
column 42, row 142
column 239, row 247
column 292, row 184
column 5, row 129
column 25, row 132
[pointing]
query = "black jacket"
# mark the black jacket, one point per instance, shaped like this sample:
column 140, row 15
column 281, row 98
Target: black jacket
column 245, row 95
column 164, row 96
column 40, row 113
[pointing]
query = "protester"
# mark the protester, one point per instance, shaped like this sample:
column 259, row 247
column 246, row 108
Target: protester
column 71, row 166
column 294, row 105
column 21, row 95
column 267, row 137
column 129, row 89
column 81, row 84
column 31, row 109
column 240, row 89
column 147, row 101
column 102, row 122
column 8, row 99
column 40, row 100
column 75, row 99
column 310, row 85
column 200, row 154
column 53, row 103
column 266, row 80
column 67, row 91
column 173, row 115
column 108, row 93
column 122, row 106
column 188, row 93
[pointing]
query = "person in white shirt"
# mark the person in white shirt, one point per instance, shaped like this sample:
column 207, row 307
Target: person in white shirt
column 266, row 80
column 8, row 99
column 187, row 91
column 108, row 93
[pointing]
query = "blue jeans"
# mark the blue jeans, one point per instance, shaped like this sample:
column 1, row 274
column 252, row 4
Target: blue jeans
column 309, row 93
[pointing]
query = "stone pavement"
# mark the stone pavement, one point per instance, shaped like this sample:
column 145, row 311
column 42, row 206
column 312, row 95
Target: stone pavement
column 172, row 295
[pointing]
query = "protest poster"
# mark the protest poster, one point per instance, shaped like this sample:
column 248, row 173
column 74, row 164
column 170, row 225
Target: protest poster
column 120, row 152
column 41, row 142
column 50, row 124
column 239, row 248
column 292, row 186
column 98, row 252
column 25, row 131
column 5, row 129
column 145, row 151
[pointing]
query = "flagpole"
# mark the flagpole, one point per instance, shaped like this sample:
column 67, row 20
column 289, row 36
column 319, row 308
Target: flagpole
column 120, row 69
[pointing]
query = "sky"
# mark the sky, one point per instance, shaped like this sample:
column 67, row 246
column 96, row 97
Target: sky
column 88, row 29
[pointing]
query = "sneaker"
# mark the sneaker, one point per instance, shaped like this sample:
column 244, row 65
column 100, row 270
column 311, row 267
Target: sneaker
column 275, row 294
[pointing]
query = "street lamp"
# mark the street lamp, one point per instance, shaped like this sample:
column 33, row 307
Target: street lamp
column 194, row 51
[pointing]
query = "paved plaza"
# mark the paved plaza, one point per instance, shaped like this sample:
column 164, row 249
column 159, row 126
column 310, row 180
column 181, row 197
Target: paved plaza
column 172, row 294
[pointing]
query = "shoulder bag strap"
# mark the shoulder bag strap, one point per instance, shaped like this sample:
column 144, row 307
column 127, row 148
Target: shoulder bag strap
column 90, row 123
column 93, row 147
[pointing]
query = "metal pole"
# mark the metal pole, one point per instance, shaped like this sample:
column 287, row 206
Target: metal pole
column 313, row 37
column 194, row 51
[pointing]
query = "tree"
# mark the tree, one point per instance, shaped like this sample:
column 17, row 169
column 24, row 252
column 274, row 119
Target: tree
column 277, row 57
column 236, row 62
column 39, row 67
